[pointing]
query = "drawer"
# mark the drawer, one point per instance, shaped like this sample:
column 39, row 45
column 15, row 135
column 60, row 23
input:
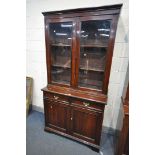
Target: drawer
column 56, row 97
column 87, row 104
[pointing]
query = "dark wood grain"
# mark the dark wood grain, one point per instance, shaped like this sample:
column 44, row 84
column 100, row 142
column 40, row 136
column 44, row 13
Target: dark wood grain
column 123, row 142
column 71, row 110
column 126, row 100
column 115, row 8
column 56, row 115
column 95, row 97
column 70, row 117
column 72, row 137
column 84, row 123
column 48, row 60
column 110, row 54
column 122, row 145
column 87, row 104
column 73, row 79
column 76, row 45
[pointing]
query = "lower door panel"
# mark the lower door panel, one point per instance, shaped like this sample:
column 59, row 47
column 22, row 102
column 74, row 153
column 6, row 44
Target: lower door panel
column 56, row 115
column 86, row 124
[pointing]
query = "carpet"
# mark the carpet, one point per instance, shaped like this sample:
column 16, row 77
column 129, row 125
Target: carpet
column 39, row 142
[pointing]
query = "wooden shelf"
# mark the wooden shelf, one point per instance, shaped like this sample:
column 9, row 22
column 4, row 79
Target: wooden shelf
column 87, row 85
column 88, row 45
column 61, row 66
column 91, row 69
column 61, row 82
column 95, row 45
column 61, row 45
column 82, row 68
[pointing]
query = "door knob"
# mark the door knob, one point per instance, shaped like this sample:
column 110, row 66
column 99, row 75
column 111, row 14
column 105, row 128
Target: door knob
column 85, row 104
column 56, row 97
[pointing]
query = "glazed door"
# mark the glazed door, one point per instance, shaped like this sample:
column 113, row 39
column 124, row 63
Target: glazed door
column 60, row 47
column 56, row 115
column 93, row 40
column 86, row 124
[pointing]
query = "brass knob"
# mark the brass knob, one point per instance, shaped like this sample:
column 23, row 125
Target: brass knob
column 56, row 97
column 85, row 104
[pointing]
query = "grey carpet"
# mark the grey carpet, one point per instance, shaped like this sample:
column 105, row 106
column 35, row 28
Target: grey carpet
column 39, row 142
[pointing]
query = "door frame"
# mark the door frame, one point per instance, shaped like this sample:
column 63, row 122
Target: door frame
column 48, row 49
column 114, row 19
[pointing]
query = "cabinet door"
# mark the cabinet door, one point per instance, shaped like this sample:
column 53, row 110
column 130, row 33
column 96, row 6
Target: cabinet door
column 60, row 46
column 94, row 43
column 86, row 124
column 56, row 115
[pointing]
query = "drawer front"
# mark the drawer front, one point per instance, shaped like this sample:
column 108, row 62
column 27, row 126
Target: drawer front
column 87, row 104
column 56, row 97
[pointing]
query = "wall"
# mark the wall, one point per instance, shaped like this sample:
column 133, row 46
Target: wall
column 36, row 65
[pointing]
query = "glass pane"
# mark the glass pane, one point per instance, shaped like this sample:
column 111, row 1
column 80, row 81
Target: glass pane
column 61, row 41
column 94, row 39
column 61, row 33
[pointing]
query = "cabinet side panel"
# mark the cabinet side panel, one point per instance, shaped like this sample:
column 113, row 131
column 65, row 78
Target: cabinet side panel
column 110, row 53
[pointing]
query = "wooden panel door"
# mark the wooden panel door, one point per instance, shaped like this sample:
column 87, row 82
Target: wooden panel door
column 86, row 124
column 56, row 115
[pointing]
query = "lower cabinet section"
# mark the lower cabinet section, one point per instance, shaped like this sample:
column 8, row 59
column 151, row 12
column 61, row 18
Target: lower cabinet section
column 85, row 124
column 56, row 115
column 81, row 122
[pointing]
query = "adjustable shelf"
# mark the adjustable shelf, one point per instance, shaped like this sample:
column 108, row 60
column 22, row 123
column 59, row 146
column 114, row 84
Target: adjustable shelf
column 94, row 45
column 61, row 45
column 61, row 66
column 91, row 69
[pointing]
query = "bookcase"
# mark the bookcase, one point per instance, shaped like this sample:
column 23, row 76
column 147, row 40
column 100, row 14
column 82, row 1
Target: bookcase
column 79, row 49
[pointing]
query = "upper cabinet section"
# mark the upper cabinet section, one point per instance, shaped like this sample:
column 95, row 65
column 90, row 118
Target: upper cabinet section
column 79, row 47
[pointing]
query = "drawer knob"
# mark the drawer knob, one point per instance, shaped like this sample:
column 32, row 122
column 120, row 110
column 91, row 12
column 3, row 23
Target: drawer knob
column 85, row 104
column 56, row 97
column 71, row 118
column 51, row 107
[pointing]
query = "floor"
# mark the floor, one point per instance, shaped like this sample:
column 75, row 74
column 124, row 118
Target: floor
column 39, row 142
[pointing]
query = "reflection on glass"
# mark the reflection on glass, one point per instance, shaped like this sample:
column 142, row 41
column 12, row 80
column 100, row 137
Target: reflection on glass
column 94, row 39
column 95, row 32
column 61, row 33
column 61, row 40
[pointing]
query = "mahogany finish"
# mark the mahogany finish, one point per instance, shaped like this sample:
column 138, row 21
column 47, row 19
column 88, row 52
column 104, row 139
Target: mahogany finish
column 75, row 95
column 122, row 145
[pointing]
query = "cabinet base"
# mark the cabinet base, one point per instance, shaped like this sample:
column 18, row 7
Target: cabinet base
column 94, row 147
